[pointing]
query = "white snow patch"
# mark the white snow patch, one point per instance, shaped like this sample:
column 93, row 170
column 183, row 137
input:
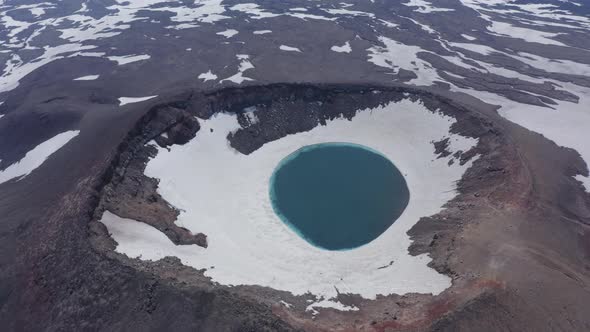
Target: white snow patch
column 88, row 54
column 79, row 28
column 182, row 26
column 131, row 100
column 342, row 49
column 258, row 13
column 209, row 12
column 253, row 10
column 468, row 37
column 15, row 69
column 250, row 245
column 426, row 7
column 566, row 124
column 250, row 114
column 228, row 33
column 552, row 122
column 329, row 304
column 36, row 156
column 422, row 26
column 289, row 48
column 395, row 55
column 286, row 304
column 455, row 75
column 585, row 181
column 305, row 16
column 87, row 78
column 349, row 12
column 261, row 32
column 37, row 11
column 529, row 35
column 459, row 62
column 389, row 24
column 477, row 48
column 245, row 64
column 208, row 76
column 499, row 70
column 125, row 59
column 556, row 66
column 545, row 13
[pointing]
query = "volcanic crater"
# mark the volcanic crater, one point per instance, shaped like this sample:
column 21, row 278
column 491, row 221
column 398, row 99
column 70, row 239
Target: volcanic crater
column 452, row 238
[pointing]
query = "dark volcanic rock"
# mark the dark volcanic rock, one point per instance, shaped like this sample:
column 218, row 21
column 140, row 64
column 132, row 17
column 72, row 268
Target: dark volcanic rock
column 441, row 148
column 132, row 194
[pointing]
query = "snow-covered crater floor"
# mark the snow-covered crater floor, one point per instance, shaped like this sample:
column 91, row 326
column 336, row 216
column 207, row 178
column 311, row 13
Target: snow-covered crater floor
column 225, row 195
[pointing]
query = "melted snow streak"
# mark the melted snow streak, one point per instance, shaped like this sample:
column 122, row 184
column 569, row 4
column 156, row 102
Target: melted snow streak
column 250, row 245
column 123, row 60
column 87, row 78
column 131, row 100
column 36, row 157
column 289, row 48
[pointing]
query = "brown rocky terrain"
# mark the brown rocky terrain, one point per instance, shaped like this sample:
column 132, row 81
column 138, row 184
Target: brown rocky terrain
column 515, row 240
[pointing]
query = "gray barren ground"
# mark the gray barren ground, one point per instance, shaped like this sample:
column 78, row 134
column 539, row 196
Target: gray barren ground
column 515, row 240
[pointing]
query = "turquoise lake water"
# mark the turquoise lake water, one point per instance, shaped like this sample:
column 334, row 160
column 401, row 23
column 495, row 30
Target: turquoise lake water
column 338, row 196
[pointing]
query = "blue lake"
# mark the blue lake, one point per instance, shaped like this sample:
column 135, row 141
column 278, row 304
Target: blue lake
column 338, row 196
